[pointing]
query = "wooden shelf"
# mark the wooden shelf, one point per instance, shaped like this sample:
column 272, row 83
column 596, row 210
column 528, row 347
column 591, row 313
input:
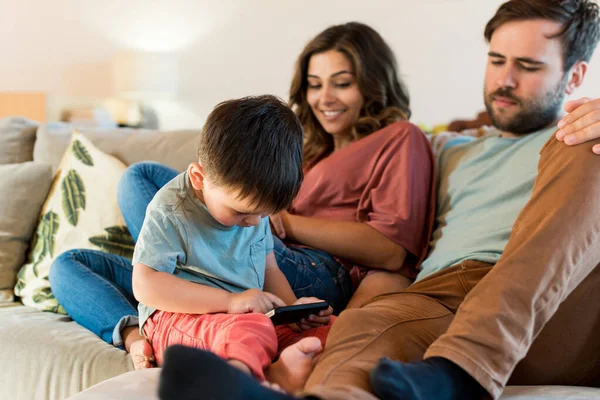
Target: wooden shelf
column 30, row 105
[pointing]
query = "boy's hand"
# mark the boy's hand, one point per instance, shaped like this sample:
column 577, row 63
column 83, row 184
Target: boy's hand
column 313, row 321
column 253, row 300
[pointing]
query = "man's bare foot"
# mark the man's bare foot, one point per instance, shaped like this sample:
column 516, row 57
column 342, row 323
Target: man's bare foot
column 142, row 354
column 294, row 365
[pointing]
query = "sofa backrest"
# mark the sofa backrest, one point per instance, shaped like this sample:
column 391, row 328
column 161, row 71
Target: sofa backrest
column 17, row 136
column 175, row 149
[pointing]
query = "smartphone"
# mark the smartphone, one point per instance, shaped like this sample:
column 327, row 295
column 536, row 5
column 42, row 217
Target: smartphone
column 292, row 314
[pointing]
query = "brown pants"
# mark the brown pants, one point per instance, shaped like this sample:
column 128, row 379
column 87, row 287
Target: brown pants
column 533, row 318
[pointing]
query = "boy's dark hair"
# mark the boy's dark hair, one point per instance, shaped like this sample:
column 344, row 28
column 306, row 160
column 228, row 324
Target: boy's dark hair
column 579, row 18
column 254, row 145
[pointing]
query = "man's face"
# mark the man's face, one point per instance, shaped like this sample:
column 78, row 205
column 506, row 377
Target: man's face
column 524, row 81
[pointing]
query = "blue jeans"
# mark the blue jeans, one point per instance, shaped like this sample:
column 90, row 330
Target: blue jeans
column 94, row 287
column 79, row 278
column 137, row 188
column 314, row 273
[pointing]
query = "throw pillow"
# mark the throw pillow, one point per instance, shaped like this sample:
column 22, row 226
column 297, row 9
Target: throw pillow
column 17, row 136
column 23, row 188
column 81, row 211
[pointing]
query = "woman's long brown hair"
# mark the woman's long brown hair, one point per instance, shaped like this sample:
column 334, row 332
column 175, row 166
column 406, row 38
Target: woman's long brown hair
column 386, row 97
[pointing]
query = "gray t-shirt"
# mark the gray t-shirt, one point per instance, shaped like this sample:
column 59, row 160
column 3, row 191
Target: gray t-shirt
column 180, row 237
column 482, row 187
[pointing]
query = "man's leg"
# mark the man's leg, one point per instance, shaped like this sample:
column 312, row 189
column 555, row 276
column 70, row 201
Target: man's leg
column 399, row 326
column 554, row 246
column 569, row 340
column 378, row 282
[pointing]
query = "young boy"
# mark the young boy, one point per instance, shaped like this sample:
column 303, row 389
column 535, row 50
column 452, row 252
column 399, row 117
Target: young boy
column 204, row 269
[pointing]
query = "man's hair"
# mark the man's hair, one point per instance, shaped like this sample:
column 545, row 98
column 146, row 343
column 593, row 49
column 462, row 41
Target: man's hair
column 579, row 19
column 254, row 145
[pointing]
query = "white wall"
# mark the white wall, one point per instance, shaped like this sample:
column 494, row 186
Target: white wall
column 234, row 48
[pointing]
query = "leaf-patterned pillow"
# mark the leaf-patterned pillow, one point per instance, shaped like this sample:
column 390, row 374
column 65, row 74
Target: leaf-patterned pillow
column 81, row 211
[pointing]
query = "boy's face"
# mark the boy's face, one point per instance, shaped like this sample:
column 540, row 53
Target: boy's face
column 224, row 204
column 525, row 84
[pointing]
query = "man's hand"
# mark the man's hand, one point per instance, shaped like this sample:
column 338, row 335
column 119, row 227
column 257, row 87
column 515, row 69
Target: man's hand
column 582, row 124
column 313, row 321
column 253, row 300
column 277, row 226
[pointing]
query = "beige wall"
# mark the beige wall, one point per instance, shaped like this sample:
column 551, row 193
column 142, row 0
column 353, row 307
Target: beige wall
column 238, row 47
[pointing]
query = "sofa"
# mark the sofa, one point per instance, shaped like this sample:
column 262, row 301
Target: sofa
column 46, row 355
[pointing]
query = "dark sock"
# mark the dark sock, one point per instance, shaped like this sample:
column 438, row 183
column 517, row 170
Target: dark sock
column 189, row 373
column 435, row 378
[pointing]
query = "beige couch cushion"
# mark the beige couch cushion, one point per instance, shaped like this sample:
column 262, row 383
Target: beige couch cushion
column 550, row 393
column 134, row 385
column 175, row 149
column 48, row 356
column 143, row 385
column 81, row 212
column 23, row 188
column 17, row 136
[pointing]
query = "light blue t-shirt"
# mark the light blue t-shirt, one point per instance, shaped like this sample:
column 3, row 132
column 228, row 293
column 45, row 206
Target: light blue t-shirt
column 180, row 237
column 482, row 187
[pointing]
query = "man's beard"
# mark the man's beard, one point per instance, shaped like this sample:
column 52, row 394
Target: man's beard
column 533, row 114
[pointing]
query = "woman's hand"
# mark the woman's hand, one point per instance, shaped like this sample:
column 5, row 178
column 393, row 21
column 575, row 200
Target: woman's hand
column 582, row 124
column 313, row 321
column 277, row 225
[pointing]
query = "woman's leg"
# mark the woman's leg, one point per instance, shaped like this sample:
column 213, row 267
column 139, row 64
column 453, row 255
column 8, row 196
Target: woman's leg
column 137, row 188
column 314, row 273
column 95, row 289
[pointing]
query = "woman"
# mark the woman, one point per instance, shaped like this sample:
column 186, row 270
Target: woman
column 366, row 203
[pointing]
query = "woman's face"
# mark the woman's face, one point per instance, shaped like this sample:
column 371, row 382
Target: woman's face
column 333, row 93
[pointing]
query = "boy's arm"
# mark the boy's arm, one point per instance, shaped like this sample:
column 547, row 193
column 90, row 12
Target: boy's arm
column 276, row 282
column 167, row 292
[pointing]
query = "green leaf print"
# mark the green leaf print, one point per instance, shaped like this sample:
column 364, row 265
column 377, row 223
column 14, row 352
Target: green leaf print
column 82, row 154
column 44, row 241
column 20, row 281
column 117, row 241
column 58, row 309
column 42, row 295
column 73, row 196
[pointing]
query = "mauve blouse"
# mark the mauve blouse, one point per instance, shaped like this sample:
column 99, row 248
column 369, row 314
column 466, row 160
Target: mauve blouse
column 385, row 180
